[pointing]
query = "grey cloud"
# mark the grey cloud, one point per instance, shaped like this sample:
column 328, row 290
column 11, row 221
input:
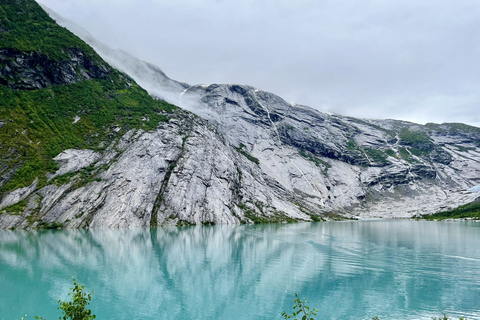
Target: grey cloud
column 405, row 59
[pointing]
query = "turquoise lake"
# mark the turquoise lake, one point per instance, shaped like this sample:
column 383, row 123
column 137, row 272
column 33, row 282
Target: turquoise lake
column 400, row 269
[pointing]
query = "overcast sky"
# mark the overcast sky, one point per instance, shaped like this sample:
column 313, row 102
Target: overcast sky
column 416, row 60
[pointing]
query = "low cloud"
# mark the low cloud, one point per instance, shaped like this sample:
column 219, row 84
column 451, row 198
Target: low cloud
column 407, row 59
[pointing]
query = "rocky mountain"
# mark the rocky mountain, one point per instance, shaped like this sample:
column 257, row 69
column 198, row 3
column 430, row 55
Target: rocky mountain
column 234, row 154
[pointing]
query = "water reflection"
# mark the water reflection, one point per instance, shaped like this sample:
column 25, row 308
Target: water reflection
column 349, row 270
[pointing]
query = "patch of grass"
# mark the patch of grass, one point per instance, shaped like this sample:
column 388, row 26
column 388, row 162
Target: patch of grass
column 27, row 27
column 463, row 149
column 419, row 152
column 316, row 218
column 352, row 145
column 453, row 127
column 470, row 210
column 48, row 225
column 318, row 162
column 39, row 122
column 257, row 212
column 63, row 179
column 240, row 149
column 377, row 156
column 391, row 153
column 417, row 140
column 405, row 155
column 15, row 209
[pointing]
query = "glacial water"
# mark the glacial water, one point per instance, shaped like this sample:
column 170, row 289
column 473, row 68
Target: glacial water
column 348, row 270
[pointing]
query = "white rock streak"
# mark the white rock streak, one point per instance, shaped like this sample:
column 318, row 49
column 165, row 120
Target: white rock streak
column 280, row 145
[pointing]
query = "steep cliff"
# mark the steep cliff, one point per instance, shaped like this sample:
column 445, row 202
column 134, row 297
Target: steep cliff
column 56, row 93
column 382, row 168
column 238, row 155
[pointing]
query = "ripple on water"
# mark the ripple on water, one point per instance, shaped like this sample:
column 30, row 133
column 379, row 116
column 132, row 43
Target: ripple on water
column 348, row 270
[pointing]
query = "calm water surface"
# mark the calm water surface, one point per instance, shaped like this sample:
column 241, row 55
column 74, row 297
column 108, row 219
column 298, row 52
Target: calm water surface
column 348, row 270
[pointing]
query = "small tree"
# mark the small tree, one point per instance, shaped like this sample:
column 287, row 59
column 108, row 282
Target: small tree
column 76, row 309
column 300, row 308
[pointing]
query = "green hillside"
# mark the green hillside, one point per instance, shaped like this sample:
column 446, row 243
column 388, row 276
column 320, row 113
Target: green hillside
column 87, row 105
column 469, row 210
column 25, row 26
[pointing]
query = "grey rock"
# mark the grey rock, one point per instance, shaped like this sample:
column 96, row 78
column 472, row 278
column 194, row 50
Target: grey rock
column 72, row 160
column 240, row 155
column 17, row 195
column 30, row 70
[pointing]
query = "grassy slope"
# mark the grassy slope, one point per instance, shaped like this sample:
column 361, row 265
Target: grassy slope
column 470, row 210
column 24, row 26
column 38, row 124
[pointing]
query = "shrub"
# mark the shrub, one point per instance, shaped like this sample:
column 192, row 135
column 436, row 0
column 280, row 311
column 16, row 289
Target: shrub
column 76, row 309
column 300, row 310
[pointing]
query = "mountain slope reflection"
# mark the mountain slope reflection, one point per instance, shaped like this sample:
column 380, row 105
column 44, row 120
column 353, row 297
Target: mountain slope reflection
column 348, row 270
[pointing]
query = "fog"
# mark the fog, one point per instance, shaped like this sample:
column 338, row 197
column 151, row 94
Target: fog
column 408, row 60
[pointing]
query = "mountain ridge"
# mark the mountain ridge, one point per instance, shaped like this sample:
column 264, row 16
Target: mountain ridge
column 246, row 156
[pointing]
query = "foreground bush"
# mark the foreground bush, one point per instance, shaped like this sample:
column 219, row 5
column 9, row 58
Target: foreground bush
column 76, row 309
column 303, row 312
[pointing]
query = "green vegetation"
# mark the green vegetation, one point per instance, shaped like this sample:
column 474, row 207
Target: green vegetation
column 352, row 145
column 461, row 127
column 64, row 178
column 405, row 155
column 27, row 27
column 76, row 309
column 464, row 149
column 303, row 312
column 417, row 140
column 453, row 127
column 258, row 212
column 47, row 225
column 318, row 162
column 159, row 200
column 300, row 310
column 39, row 124
column 391, row 153
column 244, row 153
column 470, row 210
column 377, row 156
column 374, row 155
column 419, row 152
column 79, row 178
column 15, row 209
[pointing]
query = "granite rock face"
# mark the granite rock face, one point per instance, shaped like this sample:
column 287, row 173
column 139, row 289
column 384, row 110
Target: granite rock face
column 183, row 173
column 241, row 155
column 359, row 167
column 30, row 70
column 249, row 156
